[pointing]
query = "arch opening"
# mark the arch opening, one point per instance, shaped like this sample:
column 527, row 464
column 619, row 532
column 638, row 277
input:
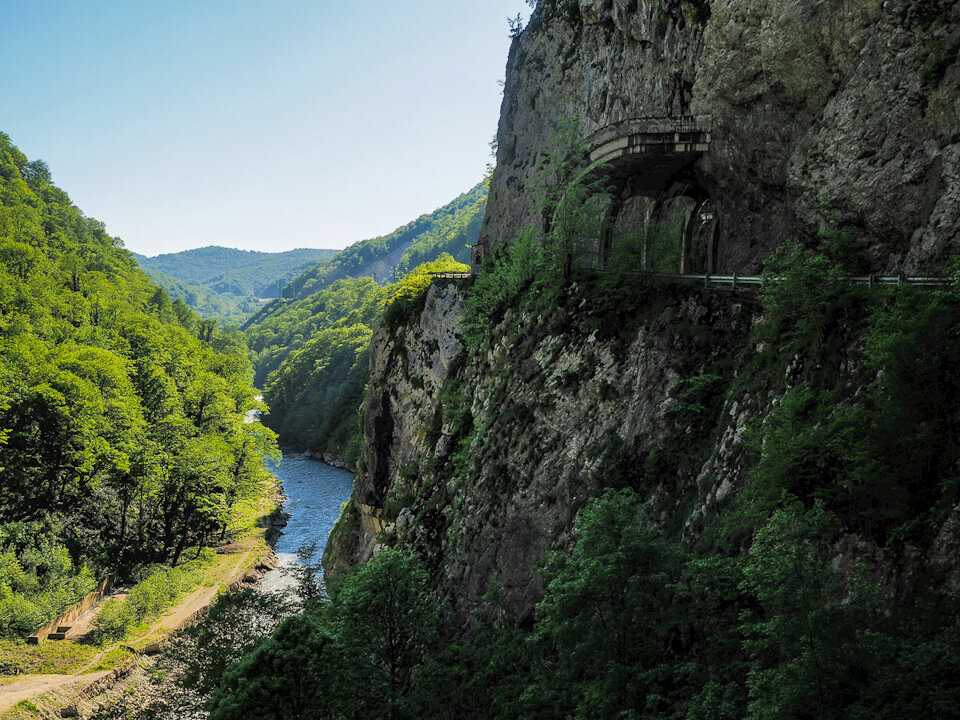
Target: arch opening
column 698, row 240
column 671, row 232
column 671, row 228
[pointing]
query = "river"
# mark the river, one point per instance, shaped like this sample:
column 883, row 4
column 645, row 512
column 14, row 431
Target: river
column 314, row 492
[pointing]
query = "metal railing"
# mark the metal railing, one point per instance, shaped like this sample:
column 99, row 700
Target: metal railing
column 748, row 281
column 451, row 275
column 650, row 126
column 736, row 280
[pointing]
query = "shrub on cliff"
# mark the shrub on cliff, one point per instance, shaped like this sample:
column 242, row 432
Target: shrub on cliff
column 505, row 273
column 407, row 296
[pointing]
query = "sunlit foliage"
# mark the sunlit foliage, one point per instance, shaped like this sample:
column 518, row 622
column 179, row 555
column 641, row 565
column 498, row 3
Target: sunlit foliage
column 122, row 438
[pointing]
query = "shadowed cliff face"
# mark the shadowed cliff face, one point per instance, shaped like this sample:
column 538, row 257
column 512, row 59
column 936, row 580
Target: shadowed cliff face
column 408, row 368
column 825, row 115
column 841, row 114
column 480, row 462
column 479, row 459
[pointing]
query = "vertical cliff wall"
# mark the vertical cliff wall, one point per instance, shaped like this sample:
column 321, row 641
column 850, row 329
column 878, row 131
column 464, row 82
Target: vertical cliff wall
column 840, row 113
column 710, row 405
column 480, row 462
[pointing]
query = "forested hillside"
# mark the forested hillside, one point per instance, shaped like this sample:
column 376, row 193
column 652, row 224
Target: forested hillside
column 312, row 360
column 224, row 282
column 227, row 309
column 451, row 229
column 350, row 301
column 310, row 351
column 122, row 439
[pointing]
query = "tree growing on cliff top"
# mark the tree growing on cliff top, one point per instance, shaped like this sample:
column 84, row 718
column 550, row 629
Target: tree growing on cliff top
column 572, row 199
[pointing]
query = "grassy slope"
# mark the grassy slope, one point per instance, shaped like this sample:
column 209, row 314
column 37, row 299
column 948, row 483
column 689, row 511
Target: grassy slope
column 246, row 549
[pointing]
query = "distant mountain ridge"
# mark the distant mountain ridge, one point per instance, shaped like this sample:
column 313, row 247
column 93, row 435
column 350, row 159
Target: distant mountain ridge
column 239, row 272
column 452, row 229
column 224, row 282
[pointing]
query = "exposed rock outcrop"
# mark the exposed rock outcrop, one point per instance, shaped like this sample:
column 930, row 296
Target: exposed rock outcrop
column 481, row 464
column 408, row 368
column 840, row 114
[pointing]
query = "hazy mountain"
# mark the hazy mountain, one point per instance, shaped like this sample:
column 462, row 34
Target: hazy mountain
column 225, row 282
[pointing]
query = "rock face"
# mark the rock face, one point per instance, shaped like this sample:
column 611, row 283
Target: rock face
column 841, row 114
column 480, row 463
column 479, row 459
column 835, row 114
column 408, row 368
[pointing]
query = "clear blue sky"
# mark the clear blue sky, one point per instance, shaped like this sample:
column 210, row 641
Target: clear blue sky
column 266, row 124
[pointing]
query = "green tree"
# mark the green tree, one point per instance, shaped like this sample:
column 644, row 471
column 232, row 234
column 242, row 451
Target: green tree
column 804, row 296
column 815, row 639
column 387, row 621
column 609, row 613
column 307, row 575
column 290, row 676
column 235, row 624
column 572, row 198
column 360, row 653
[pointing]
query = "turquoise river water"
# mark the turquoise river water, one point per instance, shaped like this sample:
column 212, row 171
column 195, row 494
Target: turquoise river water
column 314, row 492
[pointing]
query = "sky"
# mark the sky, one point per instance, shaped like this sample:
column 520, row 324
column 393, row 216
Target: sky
column 261, row 125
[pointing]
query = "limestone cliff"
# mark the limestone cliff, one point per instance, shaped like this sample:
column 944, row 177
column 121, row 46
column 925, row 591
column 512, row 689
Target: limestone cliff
column 480, row 458
column 481, row 463
column 408, row 368
column 842, row 114
column 845, row 112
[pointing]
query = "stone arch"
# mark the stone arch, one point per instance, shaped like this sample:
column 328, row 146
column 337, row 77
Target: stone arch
column 699, row 251
column 611, row 219
column 686, row 217
column 652, row 158
column 628, row 230
column 670, row 230
column 666, row 228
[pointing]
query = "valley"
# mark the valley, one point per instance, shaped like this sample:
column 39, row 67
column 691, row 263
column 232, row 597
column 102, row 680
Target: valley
column 659, row 420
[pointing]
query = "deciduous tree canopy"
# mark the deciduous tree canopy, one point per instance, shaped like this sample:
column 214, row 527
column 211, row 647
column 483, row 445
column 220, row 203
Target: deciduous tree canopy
column 122, row 438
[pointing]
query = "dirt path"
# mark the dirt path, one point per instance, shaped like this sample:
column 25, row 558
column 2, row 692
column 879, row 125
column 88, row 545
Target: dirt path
column 27, row 687
column 198, row 600
column 31, row 686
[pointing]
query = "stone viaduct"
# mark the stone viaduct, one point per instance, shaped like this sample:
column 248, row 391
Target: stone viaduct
column 652, row 158
column 648, row 165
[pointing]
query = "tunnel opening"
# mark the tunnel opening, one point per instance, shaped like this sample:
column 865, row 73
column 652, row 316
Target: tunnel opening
column 671, row 232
